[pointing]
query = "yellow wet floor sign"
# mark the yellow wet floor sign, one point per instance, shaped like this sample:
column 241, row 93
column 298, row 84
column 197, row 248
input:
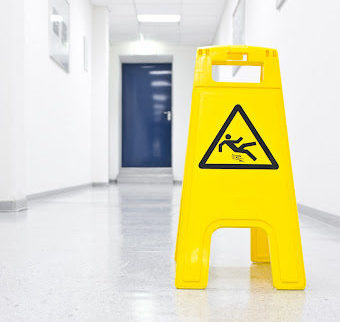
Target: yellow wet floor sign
column 238, row 171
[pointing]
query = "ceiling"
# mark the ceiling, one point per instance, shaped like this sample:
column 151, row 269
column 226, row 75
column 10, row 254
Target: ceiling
column 199, row 20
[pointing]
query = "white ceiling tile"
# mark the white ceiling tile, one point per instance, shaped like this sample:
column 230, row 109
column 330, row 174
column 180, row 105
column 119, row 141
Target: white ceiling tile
column 119, row 19
column 158, row 9
column 198, row 29
column 196, row 34
column 124, row 37
column 173, row 38
column 122, row 9
column 117, row 39
column 199, row 20
column 100, row 2
column 108, row 3
column 196, row 38
column 116, row 33
column 201, row 9
column 158, row 2
column 195, row 2
column 124, row 28
column 159, row 29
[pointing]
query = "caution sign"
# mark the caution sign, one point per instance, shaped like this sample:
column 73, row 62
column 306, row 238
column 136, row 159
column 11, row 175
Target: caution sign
column 238, row 145
column 238, row 125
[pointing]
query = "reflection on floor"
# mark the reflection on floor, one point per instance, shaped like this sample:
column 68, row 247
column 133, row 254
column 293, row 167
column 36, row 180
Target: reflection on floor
column 106, row 254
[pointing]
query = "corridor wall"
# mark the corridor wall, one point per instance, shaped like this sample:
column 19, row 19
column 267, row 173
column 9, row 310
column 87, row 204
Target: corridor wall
column 57, row 104
column 305, row 35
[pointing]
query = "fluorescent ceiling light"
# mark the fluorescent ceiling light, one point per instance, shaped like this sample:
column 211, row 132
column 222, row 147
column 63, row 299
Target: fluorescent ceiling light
column 158, row 18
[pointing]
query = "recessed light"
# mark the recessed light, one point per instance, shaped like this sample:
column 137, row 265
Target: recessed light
column 158, row 18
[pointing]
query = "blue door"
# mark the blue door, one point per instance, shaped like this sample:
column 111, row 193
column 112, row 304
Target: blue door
column 146, row 119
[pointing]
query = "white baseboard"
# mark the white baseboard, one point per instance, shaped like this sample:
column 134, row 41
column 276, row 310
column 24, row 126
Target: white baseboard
column 320, row 215
column 13, row 205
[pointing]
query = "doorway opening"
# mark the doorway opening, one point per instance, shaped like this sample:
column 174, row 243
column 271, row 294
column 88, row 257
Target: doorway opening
column 146, row 121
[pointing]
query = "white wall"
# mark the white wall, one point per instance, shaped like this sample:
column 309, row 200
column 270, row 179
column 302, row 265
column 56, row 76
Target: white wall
column 57, row 104
column 12, row 181
column 100, row 95
column 183, row 63
column 305, row 34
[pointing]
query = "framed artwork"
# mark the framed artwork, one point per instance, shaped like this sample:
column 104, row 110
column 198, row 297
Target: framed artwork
column 279, row 4
column 86, row 54
column 239, row 27
column 59, row 33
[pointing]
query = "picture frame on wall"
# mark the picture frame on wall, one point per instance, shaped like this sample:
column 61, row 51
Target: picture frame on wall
column 59, row 33
column 86, row 54
column 279, row 4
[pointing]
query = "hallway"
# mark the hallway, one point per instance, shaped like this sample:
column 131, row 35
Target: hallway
column 106, row 254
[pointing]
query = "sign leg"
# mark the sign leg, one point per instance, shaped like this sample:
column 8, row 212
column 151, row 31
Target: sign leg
column 259, row 248
column 286, row 256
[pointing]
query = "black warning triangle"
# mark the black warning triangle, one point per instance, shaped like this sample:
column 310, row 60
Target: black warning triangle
column 238, row 109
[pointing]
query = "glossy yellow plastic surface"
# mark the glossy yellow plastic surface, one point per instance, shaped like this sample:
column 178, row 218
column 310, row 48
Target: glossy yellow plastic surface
column 238, row 170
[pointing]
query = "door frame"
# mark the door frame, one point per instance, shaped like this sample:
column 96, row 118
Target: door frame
column 139, row 59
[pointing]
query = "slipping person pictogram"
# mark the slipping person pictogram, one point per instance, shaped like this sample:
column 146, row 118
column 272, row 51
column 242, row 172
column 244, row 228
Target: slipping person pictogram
column 232, row 145
column 244, row 150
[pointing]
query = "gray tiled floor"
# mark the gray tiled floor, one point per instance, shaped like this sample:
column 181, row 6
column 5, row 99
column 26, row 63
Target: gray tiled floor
column 106, row 254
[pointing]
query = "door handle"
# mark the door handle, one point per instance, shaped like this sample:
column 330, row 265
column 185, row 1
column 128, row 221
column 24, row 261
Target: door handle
column 168, row 115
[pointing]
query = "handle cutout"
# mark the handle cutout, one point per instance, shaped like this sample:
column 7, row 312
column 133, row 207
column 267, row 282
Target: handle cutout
column 237, row 56
column 245, row 74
